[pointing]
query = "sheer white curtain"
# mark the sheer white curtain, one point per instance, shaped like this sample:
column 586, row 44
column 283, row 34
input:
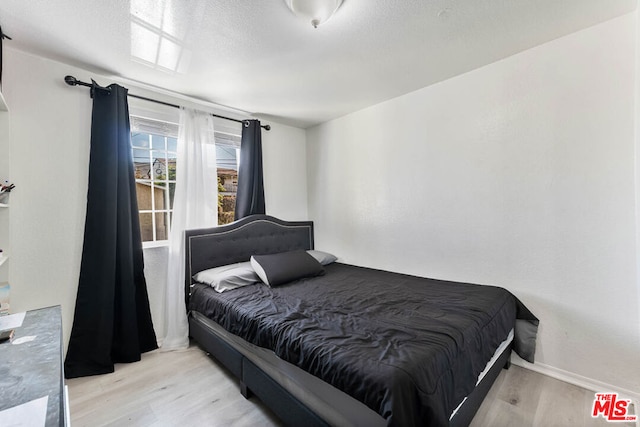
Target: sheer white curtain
column 195, row 206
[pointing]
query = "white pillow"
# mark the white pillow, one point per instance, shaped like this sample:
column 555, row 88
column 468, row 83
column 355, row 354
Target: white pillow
column 227, row 277
column 323, row 258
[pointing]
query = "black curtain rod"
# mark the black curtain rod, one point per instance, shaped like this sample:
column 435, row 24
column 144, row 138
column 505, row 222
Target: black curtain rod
column 72, row 81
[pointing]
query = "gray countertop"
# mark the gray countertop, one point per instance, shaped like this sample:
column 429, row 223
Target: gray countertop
column 33, row 369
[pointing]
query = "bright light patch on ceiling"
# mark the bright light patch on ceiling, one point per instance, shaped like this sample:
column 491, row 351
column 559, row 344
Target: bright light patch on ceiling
column 169, row 54
column 149, row 11
column 144, row 43
column 154, row 27
column 177, row 16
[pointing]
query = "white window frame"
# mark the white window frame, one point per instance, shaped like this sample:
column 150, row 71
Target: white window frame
column 165, row 130
column 164, row 124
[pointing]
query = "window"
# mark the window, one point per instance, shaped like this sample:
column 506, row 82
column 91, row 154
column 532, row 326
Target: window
column 227, row 161
column 154, row 161
column 154, row 145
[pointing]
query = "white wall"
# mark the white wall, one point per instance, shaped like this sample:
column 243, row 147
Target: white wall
column 5, row 174
column 49, row 165
column 49, row 143
column 519, row 174
column 285, row 172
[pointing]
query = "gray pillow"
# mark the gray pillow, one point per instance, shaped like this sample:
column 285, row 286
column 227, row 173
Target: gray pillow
column 323, row 258
column 228, row 277
column 276, row 269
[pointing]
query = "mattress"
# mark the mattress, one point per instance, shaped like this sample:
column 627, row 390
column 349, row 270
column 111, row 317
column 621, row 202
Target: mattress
column 407, row 372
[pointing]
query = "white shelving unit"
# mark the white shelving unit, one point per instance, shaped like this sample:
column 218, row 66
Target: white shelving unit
column 4, row 205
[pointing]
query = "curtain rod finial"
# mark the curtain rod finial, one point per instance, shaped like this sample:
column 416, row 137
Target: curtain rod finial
column 70, row 80
column 267, row 127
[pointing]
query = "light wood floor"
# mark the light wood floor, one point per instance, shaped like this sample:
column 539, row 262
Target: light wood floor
column 187, row 388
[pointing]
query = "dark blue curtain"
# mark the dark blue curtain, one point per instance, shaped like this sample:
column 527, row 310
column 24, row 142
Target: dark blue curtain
column 250, row 195
column 112, row 320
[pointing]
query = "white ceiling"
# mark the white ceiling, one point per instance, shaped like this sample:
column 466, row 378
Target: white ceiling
column 256, row 56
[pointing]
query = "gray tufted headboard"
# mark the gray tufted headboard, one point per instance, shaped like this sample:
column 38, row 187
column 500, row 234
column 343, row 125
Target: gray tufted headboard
column 236, row 242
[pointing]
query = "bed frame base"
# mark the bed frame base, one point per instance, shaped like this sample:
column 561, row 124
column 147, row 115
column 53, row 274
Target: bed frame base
column 507, row 364
column 287, row 407
column 466, row 413
column 253, row 380
column 244, row 391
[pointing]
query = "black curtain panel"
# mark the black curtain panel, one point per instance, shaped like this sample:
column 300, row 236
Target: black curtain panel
column 250, row 195
column 112, row 320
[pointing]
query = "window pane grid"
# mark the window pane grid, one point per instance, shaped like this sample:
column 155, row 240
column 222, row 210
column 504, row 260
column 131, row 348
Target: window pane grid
column 155, row 177
column 154, row 158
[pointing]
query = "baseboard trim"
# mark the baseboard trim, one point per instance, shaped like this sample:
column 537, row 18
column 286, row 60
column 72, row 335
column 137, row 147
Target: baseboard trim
column 575, row 379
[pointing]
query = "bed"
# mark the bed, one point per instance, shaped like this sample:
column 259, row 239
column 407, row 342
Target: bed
column 352, row 346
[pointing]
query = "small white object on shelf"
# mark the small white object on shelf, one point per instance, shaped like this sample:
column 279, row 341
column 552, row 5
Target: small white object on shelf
column 12, row 321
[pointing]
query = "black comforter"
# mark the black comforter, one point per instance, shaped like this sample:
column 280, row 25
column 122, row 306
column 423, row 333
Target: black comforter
column 410, row 348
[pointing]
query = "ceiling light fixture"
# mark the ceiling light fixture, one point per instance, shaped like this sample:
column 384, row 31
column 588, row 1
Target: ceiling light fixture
column 314, row 11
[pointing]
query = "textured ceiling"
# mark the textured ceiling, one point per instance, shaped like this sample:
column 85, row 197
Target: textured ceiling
column 256, row 56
